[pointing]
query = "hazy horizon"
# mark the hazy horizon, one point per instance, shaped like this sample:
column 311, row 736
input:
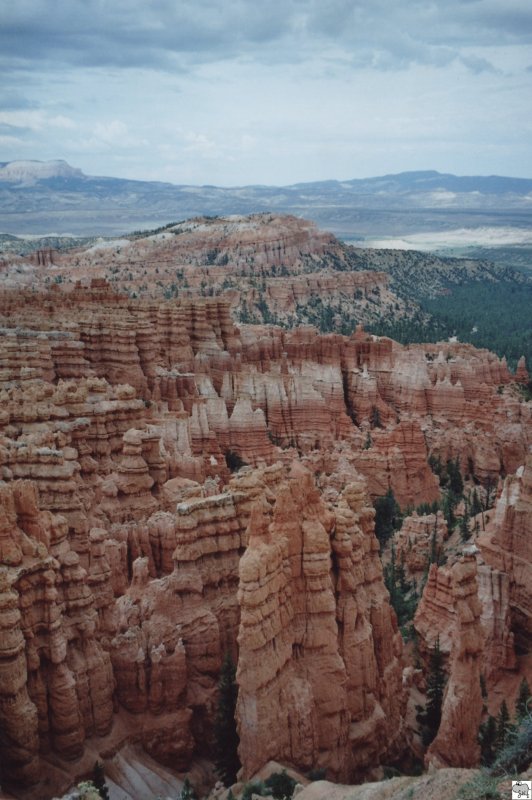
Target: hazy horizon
column 288, row 92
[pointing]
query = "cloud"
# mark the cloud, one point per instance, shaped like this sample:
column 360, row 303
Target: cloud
column 113, row 135
column 284, row 91
column 476, row 64
column 163, row 34
column 12, row 141
column 199, row 143
column 35, row 120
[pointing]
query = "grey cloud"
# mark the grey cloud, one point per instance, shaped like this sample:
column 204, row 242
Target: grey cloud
column 133, row 34
column 173, row 35
column 477, row 65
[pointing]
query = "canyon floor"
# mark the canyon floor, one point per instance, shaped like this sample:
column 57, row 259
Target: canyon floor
column 191, row 472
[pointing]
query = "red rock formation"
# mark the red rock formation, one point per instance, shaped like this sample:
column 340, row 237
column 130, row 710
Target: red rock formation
column 124, row 546
column 521, row 373
column 397, row 458
column 331, row 705
column 499, row 645
column 456, row 741
column 419, row 542
column 505, row 546
column 60, row 691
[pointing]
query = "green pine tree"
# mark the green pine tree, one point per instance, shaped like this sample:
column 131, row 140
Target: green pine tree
column 225, row 732
column 436, row 680
column 448, row 506
column 375, row 417
column 523, row 700
column 475, row 504
column 502, row 727
column 433, row 553
column 464, row 526
column 456, row 484
column 387, row 517
column 487, row 735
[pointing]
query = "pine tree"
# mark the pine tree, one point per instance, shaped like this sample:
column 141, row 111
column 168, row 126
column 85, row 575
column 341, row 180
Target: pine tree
column 404, row 585
column 433, row 554
column 435, row 687
column 503, row 727
column 522, row 701
column 225, row 732
column 464, row 526
column 490, row 486
column 456, row 484
column 387, row 516
column 487, row 735
column 98, row 779
column 448, row 504
column 475, row 504
column 375, row 417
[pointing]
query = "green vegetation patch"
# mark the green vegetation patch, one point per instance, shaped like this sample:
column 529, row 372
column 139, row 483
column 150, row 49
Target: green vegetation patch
column 496, row 316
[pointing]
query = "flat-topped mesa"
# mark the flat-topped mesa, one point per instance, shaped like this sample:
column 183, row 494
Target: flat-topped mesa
column 505, row 546
column 294, row 660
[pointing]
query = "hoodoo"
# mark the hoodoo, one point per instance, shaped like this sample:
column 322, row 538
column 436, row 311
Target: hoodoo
column 177, row 488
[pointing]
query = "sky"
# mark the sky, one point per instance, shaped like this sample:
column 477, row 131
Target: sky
column 236, row 92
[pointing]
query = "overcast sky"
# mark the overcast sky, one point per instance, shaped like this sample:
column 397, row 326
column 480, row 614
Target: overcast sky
column 233, row 92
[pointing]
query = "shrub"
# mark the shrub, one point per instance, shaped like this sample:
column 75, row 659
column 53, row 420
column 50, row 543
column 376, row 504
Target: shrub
column 516, row 755
column 234, row 461
column 482, row 787
column 255, row 787
column 281, row 785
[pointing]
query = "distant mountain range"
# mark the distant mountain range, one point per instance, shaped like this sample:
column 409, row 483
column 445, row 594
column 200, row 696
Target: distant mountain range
column 43, row 197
